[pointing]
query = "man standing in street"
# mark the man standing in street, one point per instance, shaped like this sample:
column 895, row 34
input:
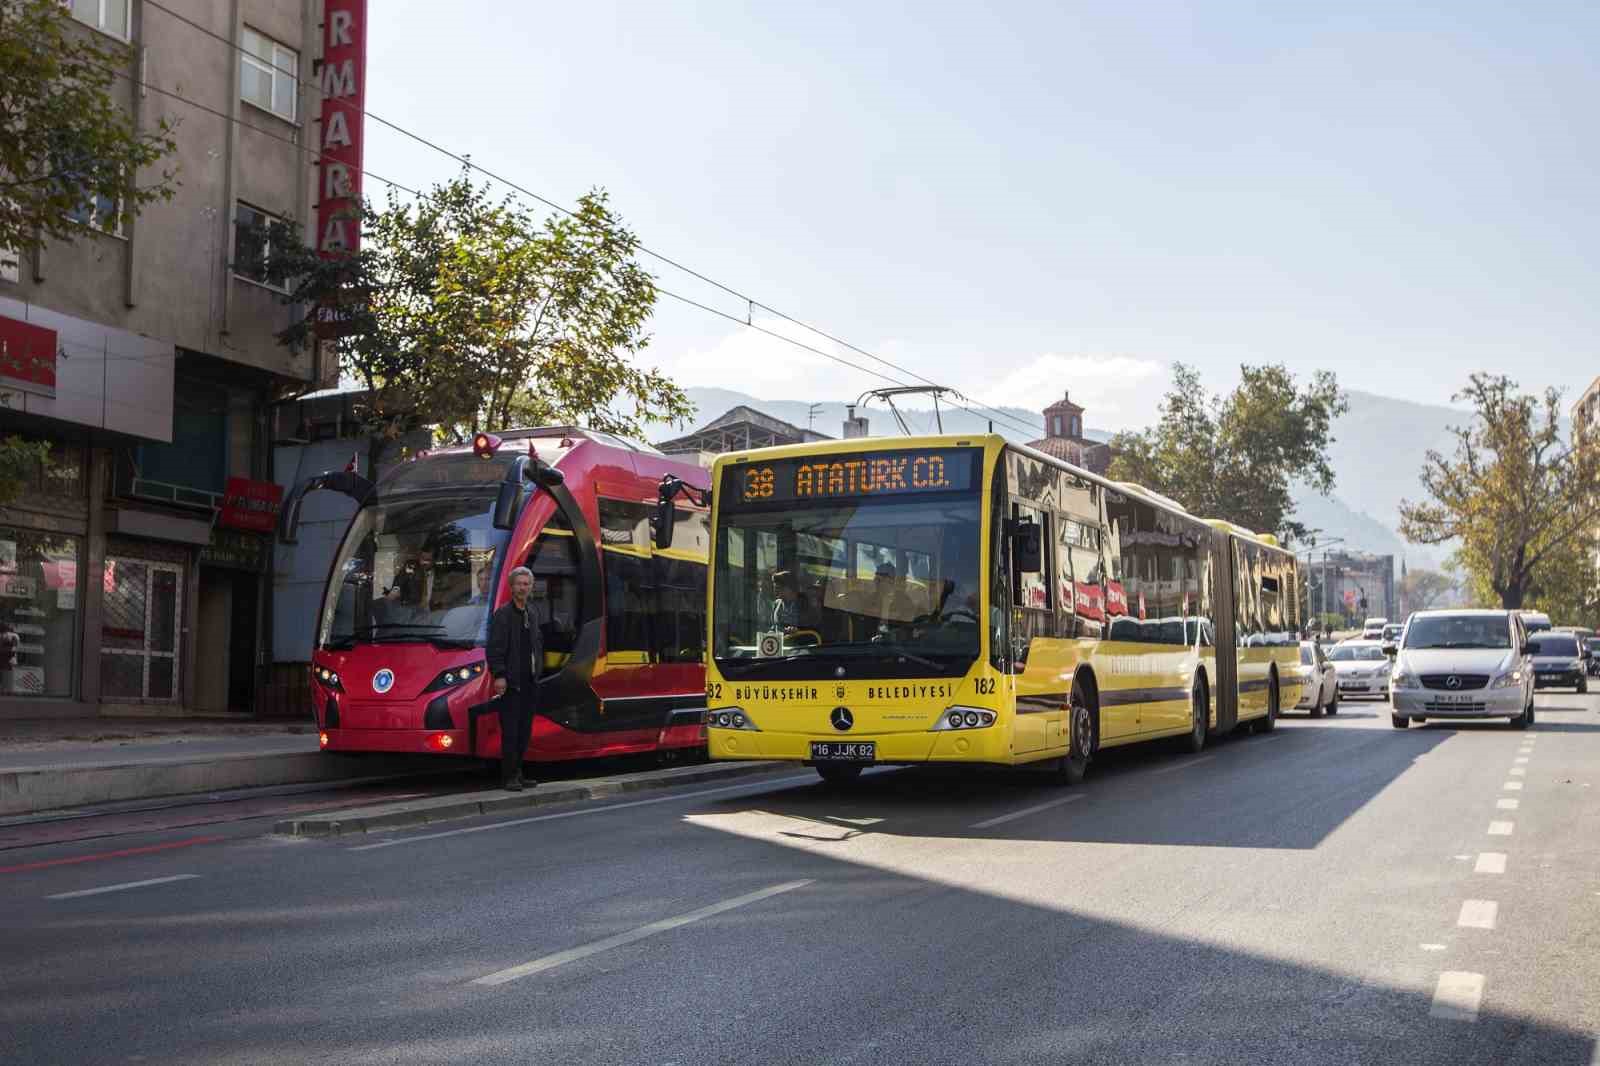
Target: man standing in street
column 516, row 658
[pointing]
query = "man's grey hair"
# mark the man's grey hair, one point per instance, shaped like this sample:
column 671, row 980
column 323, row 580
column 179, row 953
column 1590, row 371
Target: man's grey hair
column 518, row 572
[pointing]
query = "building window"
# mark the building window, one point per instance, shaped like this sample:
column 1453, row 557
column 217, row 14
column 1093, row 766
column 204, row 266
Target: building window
column 38, row 613
column 267, row 73
column 256, row 234
column 1055, row 426
column 99, row 212
column 107, row 16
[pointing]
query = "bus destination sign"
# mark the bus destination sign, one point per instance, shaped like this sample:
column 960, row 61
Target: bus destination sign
column 847, row 477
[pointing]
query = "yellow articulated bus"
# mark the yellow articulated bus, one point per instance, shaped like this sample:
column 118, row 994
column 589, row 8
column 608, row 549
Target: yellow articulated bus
column 967, row 600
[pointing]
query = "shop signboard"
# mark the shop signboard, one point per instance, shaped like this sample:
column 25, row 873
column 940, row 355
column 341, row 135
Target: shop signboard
column 27, row 357
column 250, row 505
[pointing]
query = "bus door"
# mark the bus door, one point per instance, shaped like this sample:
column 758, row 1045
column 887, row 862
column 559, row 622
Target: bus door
column 1224, row 684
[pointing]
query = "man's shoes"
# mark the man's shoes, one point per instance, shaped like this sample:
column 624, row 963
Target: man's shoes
column 514, row 785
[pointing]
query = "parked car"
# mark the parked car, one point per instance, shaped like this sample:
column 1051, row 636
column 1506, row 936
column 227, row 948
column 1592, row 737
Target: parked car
column 1319, row 681
column 1534, row 621
column 1462, row 664
column 1372, row 628
column 1558, row 661
column 1362, row 668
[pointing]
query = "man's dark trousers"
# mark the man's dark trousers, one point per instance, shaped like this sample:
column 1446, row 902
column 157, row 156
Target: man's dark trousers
column 517, row 707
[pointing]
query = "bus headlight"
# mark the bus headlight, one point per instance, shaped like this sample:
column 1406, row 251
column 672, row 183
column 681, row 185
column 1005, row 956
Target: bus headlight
column 963, row 718
column 731, row 718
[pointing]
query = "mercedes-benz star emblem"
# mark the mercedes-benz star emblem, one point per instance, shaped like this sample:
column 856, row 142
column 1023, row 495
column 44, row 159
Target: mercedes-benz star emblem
column 841, row 719
column 1452, row 682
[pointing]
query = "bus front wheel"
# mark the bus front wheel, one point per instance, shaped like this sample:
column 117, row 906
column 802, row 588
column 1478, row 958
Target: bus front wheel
column 838, row 773
column 1080, row 735
column 1199, row 718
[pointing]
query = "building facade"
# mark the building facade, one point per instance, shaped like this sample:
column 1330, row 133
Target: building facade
column 1585, row 424
column 136, row 571
column 1352, row 585
column 1064, row 437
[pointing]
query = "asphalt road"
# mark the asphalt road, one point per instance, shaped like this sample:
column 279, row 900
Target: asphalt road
column 1335, row 892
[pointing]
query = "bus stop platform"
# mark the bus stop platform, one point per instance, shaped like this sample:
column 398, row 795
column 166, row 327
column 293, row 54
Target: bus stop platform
column 419, row 812
column 83, row 765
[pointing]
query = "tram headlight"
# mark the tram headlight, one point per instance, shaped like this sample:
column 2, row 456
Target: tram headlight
column 731, row 718
column 329, row 678
column 457, row 675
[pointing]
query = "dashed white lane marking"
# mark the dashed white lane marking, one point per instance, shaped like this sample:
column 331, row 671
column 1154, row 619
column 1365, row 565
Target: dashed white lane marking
column 1184, row 765
column 573, row 814
column 1512, row 786
column 1457, row 995
column 550, row 962
column 103, row 889
column 1478, row 914
column 1026, row 811
column 1501, row 829
column 1519, row 771
column 1520, row 759
column 1491, row 862
column 1432, row 947
column 1507, row 803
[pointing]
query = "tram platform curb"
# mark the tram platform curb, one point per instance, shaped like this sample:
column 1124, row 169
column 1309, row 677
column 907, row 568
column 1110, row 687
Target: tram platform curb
column 48, row 788
column 413, row 813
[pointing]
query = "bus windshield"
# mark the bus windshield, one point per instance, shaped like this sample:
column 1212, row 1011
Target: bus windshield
column 876, row 587
column 415, row 569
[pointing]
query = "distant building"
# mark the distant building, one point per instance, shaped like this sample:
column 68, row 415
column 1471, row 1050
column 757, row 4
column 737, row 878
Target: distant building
column 1354, row 585
column 1064, row 439
column 741, row 428
column 1586, row 422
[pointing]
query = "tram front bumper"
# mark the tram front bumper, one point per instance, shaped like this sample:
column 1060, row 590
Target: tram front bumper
column 957, row 745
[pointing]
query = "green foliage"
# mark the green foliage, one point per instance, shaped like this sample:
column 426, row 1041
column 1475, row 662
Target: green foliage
column 20, row 463
column 64, row 140
column 1421, row 589
column 1235, row 457
column 1516, row 495
column 464, row 313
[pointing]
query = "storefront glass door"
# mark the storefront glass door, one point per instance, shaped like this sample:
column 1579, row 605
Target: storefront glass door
column 139, row 635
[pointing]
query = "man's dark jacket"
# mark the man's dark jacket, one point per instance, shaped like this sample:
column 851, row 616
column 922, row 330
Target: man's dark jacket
column 516, row 648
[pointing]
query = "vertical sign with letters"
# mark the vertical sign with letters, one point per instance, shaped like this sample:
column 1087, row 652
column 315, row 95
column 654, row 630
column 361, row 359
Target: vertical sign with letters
column 343, row 84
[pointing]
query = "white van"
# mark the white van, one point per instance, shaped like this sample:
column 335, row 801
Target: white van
column 1372, row 628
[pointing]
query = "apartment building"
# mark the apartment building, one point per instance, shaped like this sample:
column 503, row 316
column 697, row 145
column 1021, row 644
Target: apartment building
column 136, row 571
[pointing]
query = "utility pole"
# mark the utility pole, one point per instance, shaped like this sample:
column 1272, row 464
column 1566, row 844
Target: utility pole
column 811, row 415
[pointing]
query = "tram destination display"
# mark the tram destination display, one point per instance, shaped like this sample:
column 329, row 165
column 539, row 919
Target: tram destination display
column 851, row 477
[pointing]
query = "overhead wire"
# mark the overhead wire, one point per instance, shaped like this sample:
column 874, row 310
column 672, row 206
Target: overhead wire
column 993, row 413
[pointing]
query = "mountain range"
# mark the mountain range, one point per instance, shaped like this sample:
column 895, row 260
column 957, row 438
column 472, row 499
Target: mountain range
column 1377, row 453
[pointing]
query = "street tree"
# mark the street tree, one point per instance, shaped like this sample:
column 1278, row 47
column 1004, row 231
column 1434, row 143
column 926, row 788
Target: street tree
column 1516, row 494
column 65, row 142
column 1422, row 589
column 1235, row 457
column 461, row 313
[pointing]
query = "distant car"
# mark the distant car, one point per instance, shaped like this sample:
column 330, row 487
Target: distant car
column 1319, row 681
column 1372, row 628
column 1362, row 668
column 1391, row 633
column 1593, row 644
column 1534, row 621
column 1558, row 661
column 1463, row 664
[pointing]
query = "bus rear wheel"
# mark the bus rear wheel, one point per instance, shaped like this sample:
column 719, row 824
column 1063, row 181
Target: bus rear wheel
column 1081, row 736
column 839, row 773
column 1199, row 718
column 1270, row 722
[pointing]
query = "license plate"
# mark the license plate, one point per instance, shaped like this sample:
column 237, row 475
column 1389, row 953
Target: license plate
column 1446, row 699
column 844, row 750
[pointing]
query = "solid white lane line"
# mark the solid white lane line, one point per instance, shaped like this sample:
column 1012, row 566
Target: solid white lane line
column 102, row 890
column 1519, row 771
column 1506, row 803
column 1501, row 829
column 573, row 814
column 1512, row 786
column 1026, row 811
column 550, row 962
column 1478, row 914
column 1457, row 996
column 1185, row 764
column 1491, row 862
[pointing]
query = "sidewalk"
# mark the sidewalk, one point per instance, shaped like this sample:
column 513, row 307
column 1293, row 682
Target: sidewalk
column 47, row 765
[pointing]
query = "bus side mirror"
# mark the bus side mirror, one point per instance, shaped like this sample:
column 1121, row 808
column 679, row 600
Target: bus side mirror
column 661, row 524
column 1027, row 547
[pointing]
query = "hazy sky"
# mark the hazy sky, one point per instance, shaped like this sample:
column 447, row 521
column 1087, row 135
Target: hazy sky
column 1020, row 198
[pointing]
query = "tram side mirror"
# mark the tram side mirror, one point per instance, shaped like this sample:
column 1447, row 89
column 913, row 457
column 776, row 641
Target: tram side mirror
column 506, row 505
column 1027, row 547
column 661, row 524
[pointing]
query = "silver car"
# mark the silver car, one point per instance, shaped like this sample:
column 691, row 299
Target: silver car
column 1319, row 682
column 1362, row 668
column 1558, row 661
column 1462, row 664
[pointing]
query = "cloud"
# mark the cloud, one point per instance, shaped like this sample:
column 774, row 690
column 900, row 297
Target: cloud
column 1116, row 391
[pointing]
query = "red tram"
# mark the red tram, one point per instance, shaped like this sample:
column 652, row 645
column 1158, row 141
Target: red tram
column 398, row 660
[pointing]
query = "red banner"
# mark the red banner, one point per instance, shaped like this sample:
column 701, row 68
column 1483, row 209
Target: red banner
column 27, row 357
column 1116, row 599
column 251, row 505
column 1089, row 601
column 344, row 79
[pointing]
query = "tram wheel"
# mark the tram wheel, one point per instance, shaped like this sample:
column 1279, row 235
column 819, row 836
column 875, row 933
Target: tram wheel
column 839, row 773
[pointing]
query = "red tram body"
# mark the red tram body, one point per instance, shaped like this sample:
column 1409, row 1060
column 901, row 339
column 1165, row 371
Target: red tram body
column 398, row 661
